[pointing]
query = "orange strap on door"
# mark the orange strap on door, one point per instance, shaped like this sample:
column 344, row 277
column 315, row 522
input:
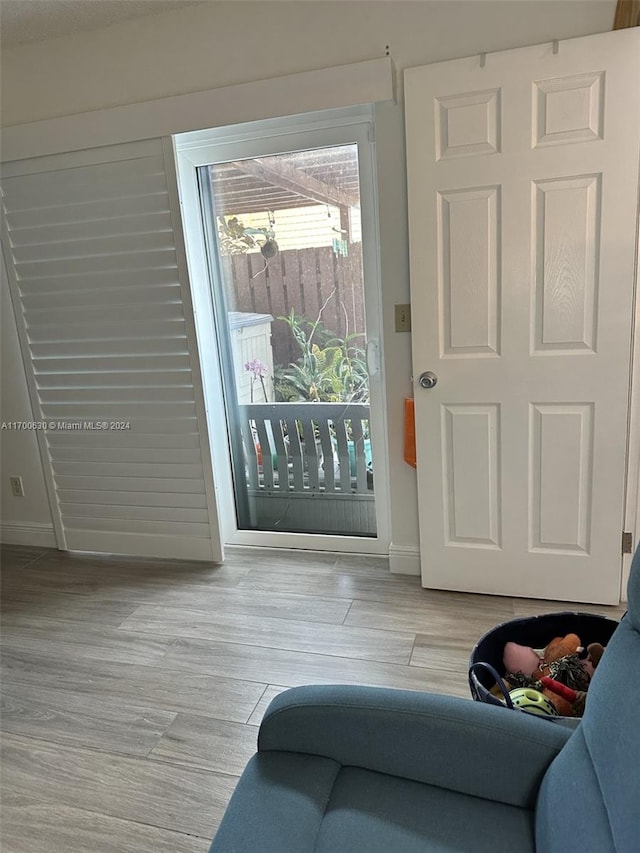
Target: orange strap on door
column 409, row 432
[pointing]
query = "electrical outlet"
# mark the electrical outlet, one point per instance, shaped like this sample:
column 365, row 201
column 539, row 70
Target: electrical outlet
column 17, row 489
column 403, row 318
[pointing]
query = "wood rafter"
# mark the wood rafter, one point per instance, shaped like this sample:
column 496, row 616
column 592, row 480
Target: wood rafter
column 288, row 177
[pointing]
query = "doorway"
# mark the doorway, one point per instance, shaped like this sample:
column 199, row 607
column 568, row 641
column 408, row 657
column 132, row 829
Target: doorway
column 286, row 215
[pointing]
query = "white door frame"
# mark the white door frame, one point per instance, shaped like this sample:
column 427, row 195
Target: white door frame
column 632, row 502
column 262, row 139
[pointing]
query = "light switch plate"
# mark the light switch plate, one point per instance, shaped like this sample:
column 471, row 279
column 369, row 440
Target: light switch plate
column 17, row 489
column 403, row 318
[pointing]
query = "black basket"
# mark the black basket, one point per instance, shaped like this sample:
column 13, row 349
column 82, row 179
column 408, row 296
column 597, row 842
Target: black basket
column 533, row 631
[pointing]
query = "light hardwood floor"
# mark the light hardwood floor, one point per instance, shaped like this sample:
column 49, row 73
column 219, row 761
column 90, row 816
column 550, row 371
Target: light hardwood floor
column 132, row 689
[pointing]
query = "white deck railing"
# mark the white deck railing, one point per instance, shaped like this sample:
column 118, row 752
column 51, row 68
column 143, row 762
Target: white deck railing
column 281, row 458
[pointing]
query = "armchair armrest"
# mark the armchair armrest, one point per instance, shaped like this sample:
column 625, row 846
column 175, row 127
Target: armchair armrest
column 451, row 743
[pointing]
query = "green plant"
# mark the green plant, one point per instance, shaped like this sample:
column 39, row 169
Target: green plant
column 235, row 238
column 330, row 369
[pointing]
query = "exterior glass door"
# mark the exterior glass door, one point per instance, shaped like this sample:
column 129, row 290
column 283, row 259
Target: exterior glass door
column 284, row 239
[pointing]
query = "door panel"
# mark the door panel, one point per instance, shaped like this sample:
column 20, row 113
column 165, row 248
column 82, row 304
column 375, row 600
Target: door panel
column 468, row 279
column 561, row 477
column 566, row 231
column 523, row 179
column 471, row 474
column 104, row 316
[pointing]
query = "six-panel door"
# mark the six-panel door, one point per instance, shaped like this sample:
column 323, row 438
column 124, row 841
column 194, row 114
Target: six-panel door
column 523, row 176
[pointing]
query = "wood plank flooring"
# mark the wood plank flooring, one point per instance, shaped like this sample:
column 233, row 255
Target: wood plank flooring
column 132, row 689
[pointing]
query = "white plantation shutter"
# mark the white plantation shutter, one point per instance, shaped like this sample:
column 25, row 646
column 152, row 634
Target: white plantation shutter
column 97, row 274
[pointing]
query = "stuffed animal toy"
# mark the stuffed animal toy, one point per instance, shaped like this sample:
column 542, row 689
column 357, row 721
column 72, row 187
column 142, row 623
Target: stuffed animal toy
column 519, row 658
column 595, row 652
column 561, row 662
column 559, row 647
column 575, row 698
column 534, row 663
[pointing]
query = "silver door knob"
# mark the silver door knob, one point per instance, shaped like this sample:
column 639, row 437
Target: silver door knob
column 428, row 379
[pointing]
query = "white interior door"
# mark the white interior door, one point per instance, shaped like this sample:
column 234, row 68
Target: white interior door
column 523, row 182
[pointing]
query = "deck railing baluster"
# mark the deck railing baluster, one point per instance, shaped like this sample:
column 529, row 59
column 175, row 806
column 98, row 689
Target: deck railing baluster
column 265, row 447
column 295, row 448
column 316, row 454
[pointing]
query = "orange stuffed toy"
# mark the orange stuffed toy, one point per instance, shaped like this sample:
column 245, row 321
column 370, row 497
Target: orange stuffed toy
column 559, row 656
column 559, row 647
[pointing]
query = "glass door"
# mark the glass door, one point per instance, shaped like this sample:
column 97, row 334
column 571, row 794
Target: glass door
column 281, row 235
column 285, row 244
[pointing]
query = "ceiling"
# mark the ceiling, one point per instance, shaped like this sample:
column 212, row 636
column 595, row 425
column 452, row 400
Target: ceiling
column 23, row 21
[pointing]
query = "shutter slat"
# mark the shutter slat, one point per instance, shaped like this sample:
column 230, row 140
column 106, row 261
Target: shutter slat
column 113, row 313
column 107, row 331
column 52, row 197
column 156, row 259
column 141, row 223
column 95, row 268
column 116, row 364
column 106, row 396
column 122, row 525
column 115, row 348
column 100, row 281
column 118, row 411
column 121, row 455
column 96, row 246
column 162, row 500
column 114, row 379
column 72, row 300
column 64, row 181
column 114, row 208
column 86, row 157
column 145, row 426
column 167, row 547
column 132, row 484
column 128, row 469
column 124, row 440
column 152, row 513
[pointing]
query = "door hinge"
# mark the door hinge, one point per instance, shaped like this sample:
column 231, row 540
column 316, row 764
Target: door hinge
column 627, row 543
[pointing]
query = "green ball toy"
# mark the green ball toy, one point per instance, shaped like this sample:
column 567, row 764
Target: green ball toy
column 533, row 702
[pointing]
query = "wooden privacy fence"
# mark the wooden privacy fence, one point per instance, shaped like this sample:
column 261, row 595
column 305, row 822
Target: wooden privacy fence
column 302, row 279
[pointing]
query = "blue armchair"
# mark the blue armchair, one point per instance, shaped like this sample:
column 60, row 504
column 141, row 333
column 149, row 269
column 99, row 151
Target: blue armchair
column 366, row 770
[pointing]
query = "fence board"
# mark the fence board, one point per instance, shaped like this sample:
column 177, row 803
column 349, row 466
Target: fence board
column 301, row 279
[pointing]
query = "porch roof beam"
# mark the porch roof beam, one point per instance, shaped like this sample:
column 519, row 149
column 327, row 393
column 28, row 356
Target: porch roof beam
column 288, row 177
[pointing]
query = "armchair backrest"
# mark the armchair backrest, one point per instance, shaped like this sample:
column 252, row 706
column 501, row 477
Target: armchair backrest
column 589, row 799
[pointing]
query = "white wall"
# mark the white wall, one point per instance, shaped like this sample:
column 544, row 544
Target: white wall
column 25, row 520
column 221, row 43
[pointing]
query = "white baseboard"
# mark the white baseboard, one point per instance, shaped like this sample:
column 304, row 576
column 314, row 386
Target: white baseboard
column 404, row 559
column 27, row 533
